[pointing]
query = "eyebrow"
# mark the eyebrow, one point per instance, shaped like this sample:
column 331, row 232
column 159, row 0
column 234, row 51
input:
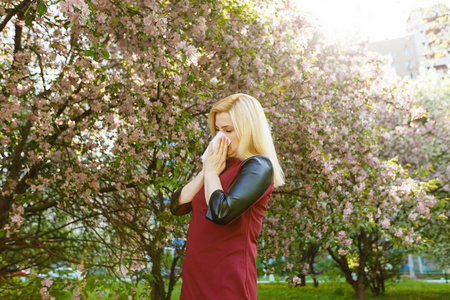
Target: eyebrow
column 224, row 126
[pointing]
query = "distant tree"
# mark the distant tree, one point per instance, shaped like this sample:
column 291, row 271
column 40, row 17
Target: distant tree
column 438, row 26
column 434, row 25
column 102, row 117
column 422, row 146
column 340, row 194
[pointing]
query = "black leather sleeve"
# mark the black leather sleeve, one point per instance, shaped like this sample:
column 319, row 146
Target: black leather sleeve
column 252, row 181
column 179, row 209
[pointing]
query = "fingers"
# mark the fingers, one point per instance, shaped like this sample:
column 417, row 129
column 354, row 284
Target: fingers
column 224, row 147
column 221, row 148
column 216, row 158
column 210, row 148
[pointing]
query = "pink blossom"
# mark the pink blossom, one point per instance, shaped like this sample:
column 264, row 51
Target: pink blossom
column 385, row 223
column 348, row 210
column 412, row 216
column 148, row 21
column 420, row 208
column 342, row 234
column 191, row 51
column 17, row 219
column 101, row 17
column 389, row 171
column 77, row 295
column 177, row 80
column 234, row 62
column 94, row 184
column 201, row 27
column 47, row 282
column 44, row 293
column 399, row 232
column 417, row 113
column 343, row 252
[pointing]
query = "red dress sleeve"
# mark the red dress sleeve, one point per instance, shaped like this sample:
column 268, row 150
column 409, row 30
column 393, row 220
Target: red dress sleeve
column 250, row 184
column 179, row 209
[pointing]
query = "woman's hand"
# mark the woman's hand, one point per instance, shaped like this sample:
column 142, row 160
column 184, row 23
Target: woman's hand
column 216, row 160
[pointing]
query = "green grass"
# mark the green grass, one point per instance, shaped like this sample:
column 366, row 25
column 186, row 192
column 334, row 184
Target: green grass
column 403, row 290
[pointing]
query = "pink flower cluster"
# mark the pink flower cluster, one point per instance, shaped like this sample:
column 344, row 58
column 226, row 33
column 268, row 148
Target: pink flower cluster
column 417, row 113
column 46, row 283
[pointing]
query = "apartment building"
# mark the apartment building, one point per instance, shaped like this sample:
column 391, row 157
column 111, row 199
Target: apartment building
column 414, row 51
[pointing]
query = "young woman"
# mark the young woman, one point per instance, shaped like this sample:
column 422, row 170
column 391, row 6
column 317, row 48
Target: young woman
column 228, row 199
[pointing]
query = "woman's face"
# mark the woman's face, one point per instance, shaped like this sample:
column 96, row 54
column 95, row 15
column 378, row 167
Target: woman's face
column 225, row 125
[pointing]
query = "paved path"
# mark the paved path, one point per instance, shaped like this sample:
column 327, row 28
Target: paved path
column 438, row 280
column 310, row 281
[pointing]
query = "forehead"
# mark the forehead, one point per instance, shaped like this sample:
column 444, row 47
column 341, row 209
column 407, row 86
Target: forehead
column 223, row 119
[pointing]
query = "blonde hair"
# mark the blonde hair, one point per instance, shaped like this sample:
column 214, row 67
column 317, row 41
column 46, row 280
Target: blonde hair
column 251, row 127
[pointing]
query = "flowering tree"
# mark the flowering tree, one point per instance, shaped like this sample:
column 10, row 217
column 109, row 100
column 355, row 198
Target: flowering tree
column 422, row 146
column 102, row 111
column 339, row 193
column 437, row 22
column 102, row 118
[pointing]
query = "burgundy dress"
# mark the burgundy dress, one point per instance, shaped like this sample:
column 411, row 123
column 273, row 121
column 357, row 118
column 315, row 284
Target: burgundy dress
column 220, row 260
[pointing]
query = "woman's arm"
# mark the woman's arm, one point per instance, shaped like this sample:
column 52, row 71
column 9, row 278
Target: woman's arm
column 180, row 202
column 191, row 189
column 252, row 182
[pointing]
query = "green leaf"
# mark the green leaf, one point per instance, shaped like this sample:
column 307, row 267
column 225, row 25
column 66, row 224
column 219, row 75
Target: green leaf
column 68, row 24
column 41, row 9
column 183, row 58
column 104, row 53
column 29, row 21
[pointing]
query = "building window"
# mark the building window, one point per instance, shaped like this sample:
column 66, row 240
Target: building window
column 395, row 65
column 392, row 53
column 409, row 64
column 441, row 67
column 413, row 75
column 407, row 51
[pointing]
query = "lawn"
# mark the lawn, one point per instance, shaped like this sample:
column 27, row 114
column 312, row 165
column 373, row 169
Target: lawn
column 404, row 290
column 96, row 287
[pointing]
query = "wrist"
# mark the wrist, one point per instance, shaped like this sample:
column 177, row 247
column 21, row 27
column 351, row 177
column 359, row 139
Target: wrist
column 209, row 173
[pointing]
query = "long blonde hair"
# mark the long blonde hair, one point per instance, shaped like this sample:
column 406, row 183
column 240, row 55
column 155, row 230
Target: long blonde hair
column 251, row 127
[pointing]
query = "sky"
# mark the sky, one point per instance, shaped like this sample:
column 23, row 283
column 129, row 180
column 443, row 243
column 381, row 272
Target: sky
column 371, row 20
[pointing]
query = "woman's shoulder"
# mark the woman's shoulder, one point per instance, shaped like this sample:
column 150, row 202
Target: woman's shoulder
column 260, row 161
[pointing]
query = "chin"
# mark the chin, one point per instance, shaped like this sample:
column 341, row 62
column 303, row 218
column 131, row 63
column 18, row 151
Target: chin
column 232, row 155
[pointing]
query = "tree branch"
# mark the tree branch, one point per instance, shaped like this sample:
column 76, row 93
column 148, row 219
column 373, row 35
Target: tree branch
column 13, row 12
column 44, row 206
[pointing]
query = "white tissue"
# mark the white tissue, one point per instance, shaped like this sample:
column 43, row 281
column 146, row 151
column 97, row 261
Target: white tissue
column 214, row 142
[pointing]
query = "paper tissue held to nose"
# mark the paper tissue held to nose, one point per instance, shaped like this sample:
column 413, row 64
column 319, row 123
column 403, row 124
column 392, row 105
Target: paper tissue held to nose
column 214, row 142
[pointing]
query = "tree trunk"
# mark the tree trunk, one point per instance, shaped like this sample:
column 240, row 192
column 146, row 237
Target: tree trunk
column 377, row 285
column 313, row 251
column 302, row 279
column 313, row 274
column 173, row 278
column 157, row 283
column 360, row 291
